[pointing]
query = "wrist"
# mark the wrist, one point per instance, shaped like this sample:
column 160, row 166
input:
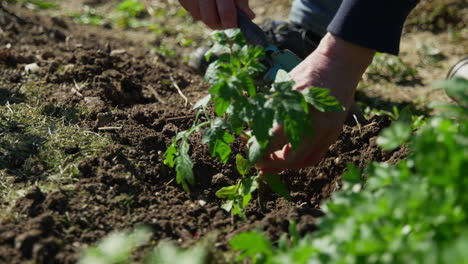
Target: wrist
column 338, row 65
column 347, row 53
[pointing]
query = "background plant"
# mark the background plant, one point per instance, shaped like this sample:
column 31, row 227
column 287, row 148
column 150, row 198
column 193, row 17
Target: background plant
column 413, row 212
column 392, row 69
column 129, row 10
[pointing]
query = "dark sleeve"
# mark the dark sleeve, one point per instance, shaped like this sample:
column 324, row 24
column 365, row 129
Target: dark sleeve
column 375, row 24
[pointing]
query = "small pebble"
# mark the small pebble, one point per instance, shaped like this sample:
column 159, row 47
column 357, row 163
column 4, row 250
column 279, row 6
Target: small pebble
column 32, row 68
column 117, row 52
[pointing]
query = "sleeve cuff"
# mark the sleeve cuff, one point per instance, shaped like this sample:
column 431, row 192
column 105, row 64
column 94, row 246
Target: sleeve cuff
column 375, row 24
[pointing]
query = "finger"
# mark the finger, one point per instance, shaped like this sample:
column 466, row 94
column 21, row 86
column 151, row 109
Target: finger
column 209, row 13
column 279, row 141
column 280, row 160
column 244, row 6
column 227, row 13
column 192, row 7
column 289, row 159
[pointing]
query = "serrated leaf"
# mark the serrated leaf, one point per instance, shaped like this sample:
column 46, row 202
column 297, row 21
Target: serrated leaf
column 251, row 244
column 218, row 140
column 216, row 49
column 262, row 118
column 275, row 184
column 221, row 105
column 292, row 128
column 221, row 148
column 282, row 76
column 394, row 136
column 211, row 74
column 233, row 33
column 321, row 99
column 248, row 83
column 170, row 155
column 242, row 165
column 255, row 150
column 227, row 206
column 203, row 103
column 284, row 87
column 292, row 112
column 184, row 166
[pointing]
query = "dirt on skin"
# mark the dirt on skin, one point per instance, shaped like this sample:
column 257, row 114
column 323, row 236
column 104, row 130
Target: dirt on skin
column 130, row 94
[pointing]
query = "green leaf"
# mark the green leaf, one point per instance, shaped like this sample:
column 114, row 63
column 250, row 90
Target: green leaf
column 353, row 174
column 292, row 112
column 228, row 192
column 275, row 184
column 283, row 87
column 246, row 199
column 263, row 117
column 170, row 155
column 221, row 148
column 394, row 136
column 218, row 140
column 216, row 49
column 251, row 244
column 282, row 76
column 248, row 185
column 227, row 206
column 292, row 128
column 255, row 150
column 293, row 232
column 43, row 4
column 457, row 89
column 248, row 83
column 184, row 166
column 203, row 103
column 221, row 105
column 242, row 165
column 321, row 99
column 131, row 7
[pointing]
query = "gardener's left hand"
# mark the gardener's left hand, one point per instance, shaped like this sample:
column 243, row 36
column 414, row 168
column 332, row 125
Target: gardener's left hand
column 337, row 65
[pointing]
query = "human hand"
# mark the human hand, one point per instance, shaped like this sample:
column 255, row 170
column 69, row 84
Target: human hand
column 217, row 14
column 337, row 65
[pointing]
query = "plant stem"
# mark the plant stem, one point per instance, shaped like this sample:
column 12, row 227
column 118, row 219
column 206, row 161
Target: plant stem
column 261, row 195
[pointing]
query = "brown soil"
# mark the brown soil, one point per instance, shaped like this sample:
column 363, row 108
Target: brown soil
column 127, row 88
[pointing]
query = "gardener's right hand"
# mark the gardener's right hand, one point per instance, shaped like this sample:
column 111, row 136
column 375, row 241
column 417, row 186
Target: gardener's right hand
column 217, row 14
column 337, row 65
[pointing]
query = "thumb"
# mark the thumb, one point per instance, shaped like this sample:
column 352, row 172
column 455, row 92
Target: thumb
column 278, row 161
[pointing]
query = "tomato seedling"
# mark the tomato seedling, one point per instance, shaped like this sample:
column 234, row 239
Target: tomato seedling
column 240, row 103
